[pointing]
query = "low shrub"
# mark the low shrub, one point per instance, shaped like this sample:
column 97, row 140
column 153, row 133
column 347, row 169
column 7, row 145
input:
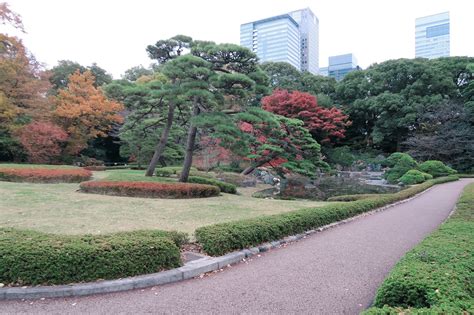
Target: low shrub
column 224, row 187
column 199, row 174
column 394, row 158
column 218, row 239
column 353, row 197
column 436, row 168
column 95, row 168
column 118, row 167
column 436, row 276
column 31, row 258
column 40, row 175
column 161, row 172
column 238, row 180
column 150, row 189
column 465, row 175
column 172, row 169
column 403, row 163
column 414, row 177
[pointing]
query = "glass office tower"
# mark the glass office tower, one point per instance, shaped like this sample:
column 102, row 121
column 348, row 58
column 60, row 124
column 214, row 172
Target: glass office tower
column 341, row 65
column 432, row 36
column 309, row 38
column 291, row 38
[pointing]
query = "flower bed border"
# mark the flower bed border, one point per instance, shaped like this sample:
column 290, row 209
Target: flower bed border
column 44, row 175
column 150, row 189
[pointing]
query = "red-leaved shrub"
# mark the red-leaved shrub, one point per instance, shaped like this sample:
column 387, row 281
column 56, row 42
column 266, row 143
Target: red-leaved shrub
column 150, row 190
column 42, row 141
column 44, row 175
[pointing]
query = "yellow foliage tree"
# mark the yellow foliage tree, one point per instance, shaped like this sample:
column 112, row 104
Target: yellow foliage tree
column 84, row 112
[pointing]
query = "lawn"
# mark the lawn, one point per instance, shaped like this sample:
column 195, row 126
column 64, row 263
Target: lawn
column 60, row 208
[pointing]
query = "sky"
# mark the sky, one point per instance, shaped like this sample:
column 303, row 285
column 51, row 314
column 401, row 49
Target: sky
column 114, row 34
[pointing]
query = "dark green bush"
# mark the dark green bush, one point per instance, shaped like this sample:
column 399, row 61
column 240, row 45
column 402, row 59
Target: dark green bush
column 199, row 174
column 162, row 172
column 436, row 168
column 221, row 238
column 31, row 258
column 403, row 163
column 353, row 197
column 436, row 277
column 173, row 170
column 224, row 187
column 414, row 177
column 394, row 158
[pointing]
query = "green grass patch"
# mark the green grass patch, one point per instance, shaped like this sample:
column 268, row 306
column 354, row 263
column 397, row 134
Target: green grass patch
column 436, row 277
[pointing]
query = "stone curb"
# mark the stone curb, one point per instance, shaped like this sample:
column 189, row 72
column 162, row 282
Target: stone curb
column 190, row 270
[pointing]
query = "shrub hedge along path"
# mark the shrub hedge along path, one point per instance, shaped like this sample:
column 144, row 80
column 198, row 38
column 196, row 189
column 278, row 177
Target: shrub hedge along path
column 332, row 272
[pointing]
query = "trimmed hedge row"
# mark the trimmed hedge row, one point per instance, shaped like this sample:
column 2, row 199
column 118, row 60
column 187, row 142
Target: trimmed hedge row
column 150, row 189
column 31, row 258
column 224, row 187
column 354, row 197
column 167, row 171
column 436, row 277
column 218, row 239
column 96, row 168
column 44, row 175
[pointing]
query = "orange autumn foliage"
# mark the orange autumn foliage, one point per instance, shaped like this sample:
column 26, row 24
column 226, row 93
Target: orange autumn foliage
column 84, row 112
column 23, row 83
column 7, row 16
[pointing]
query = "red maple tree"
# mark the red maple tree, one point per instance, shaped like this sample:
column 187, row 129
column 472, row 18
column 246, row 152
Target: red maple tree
column 42, row 141
column 324, row 123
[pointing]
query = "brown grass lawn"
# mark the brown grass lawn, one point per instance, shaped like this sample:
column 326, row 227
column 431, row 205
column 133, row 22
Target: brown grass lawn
column 59, row 208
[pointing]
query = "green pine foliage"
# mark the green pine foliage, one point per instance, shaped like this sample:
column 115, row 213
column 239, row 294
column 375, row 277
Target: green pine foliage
column 402, row 163
column 414, row 177
column 436, row 168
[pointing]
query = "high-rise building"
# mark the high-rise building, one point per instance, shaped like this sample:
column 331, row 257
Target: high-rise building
column 432, row 36
column 292, row 37
column 340, row 65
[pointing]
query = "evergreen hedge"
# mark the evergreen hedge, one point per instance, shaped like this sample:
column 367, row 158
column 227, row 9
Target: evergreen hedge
column 31, row 258
column 224, row 187
column 354, row 197
column 218, row 239
column 436, row 277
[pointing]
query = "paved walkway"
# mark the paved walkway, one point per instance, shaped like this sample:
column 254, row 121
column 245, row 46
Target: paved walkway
column 333, row 272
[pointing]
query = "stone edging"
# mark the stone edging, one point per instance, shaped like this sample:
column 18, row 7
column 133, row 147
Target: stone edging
column 190, row 270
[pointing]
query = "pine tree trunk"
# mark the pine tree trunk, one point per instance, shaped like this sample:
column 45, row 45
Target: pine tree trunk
column 190, row 142
column 248, row 170
column 160, row 148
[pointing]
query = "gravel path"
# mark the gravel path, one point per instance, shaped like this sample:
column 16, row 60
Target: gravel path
column 333, row 272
